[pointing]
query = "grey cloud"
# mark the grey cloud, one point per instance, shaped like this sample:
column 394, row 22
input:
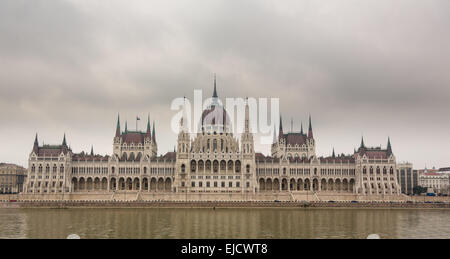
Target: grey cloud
column 376, row 68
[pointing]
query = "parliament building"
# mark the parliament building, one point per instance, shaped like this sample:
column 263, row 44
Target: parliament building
column 211, row 161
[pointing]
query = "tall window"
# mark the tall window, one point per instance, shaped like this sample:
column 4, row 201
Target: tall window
column 238, row 166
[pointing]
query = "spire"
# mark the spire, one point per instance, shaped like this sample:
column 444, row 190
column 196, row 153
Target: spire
column 148, row 126
column 64, row 143
column 92, row 150
column 389, row 148
column 310, row 132
column 215, row 90
column 118, row 126
column 126, row 127
column 153, row 132
column 36, row 142
column 292, row 125
column 333, row 155
column 247, row 117
column 301, row 128
column 362, row 142
column 280, row 133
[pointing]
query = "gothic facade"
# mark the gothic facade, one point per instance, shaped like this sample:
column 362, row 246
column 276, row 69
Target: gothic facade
column 213, row 160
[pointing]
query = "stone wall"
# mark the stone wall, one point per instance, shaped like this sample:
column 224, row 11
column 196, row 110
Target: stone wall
column 214, row 204
column 280, row 196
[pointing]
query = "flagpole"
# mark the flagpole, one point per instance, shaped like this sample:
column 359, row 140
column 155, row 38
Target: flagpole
column 137, row 119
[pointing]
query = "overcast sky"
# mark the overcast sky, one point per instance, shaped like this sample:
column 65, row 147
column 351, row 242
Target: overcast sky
column 375, row 68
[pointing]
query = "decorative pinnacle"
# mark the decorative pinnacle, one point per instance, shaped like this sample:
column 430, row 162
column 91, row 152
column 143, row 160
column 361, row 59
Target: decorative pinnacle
column 215, row 90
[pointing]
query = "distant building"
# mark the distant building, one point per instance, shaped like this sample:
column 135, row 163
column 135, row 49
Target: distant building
column 438, row 182
column 424, row 171
column 12, row 178
column 407, row 177
column 444, row 170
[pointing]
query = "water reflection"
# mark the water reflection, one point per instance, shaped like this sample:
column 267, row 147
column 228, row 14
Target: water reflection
column 224, row 223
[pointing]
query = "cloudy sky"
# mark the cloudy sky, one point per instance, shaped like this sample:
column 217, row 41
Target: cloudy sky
column 375, row 68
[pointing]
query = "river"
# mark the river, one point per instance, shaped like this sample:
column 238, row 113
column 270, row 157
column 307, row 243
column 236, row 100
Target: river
column 225, row 223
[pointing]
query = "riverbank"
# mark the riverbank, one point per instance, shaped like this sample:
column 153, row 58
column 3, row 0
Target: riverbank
column 215, row 204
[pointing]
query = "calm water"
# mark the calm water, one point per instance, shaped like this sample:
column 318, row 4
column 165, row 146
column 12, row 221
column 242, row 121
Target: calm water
column 224, row 223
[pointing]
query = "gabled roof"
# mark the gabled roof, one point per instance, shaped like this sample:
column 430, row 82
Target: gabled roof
column 170, row 156
column 337, row 159
column 51, row 150
column 134, row 137
column 261, row 158
column 80, row 157
column 373, row 153
column 295, row 139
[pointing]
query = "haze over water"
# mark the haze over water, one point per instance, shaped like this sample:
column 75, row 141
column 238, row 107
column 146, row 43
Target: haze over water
column 224, row 223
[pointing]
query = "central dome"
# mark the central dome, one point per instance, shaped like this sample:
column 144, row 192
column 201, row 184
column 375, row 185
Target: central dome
column 215, row 118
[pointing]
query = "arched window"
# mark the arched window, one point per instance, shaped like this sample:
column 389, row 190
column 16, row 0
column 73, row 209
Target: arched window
column 391, row 170
column 378, row 170
column 183, row 168
column 364, row 170
column 215, row 145
column 371, row 170
column 248, row 169
column 384, row 170
column 238, row 166
column 193, row 166
column 208, row 165
column 61, row 169
column 215, row 166
column 230, row 165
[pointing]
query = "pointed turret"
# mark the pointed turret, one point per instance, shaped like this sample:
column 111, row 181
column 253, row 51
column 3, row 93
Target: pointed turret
column 118, row 126
column 247, row 117
column 301, row 128
column 362, row 142
column 333, row 155
column 215, row 90
column 153, row 133
column 389, row 148
column 310, row 132
column 92, row 150
column 64, row 143
column 126, row 127
column 36, row 142
column 148, row 134
column 280, row 132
